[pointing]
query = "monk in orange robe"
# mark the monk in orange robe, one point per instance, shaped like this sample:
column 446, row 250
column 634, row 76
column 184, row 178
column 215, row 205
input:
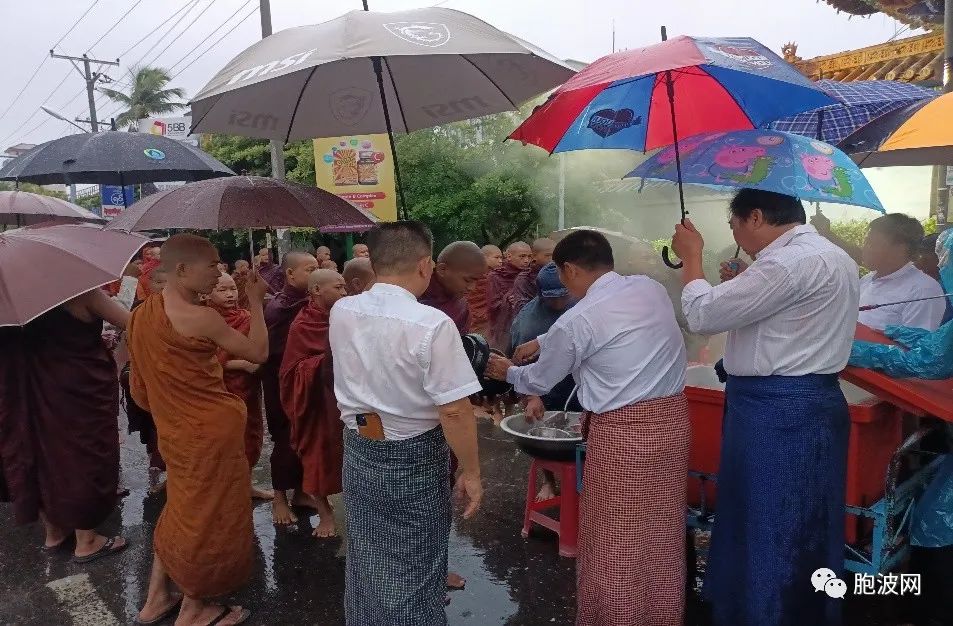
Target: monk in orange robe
column 240, row 276
column 241, row 376
column 524, row 287
column 150, row 261
column 517, row 258
column 203, row 539
column 476, row 297
column 307, row 395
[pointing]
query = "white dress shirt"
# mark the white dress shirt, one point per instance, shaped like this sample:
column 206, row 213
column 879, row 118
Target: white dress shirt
column 621, row 344
column 907, row 283
column 398, row 358
column 790, row 313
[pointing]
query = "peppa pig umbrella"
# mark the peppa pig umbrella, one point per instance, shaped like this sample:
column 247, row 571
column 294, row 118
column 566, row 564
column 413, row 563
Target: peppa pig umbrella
column 768, row 160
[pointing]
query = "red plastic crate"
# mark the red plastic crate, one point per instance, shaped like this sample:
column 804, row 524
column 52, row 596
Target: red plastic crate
column 875, row 434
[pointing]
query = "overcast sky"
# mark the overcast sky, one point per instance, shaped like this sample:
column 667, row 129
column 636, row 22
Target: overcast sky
column 578, row 29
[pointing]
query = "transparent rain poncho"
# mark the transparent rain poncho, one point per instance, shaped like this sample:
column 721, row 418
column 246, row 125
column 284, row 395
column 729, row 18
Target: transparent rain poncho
column 923, row 354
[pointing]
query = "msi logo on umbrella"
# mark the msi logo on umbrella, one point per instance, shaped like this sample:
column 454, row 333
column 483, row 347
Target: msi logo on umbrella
column 745, row 56
column 607, row 122
column 426, row 34
column 349, row 106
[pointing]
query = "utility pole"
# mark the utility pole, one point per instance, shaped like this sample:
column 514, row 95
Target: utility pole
column 90, row 77
column 277, row 147
column 943, row 178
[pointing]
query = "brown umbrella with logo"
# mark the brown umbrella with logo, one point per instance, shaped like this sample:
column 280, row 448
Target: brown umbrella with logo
column 369, row 72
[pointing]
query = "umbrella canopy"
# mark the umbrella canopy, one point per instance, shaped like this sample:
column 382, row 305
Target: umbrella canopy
column 859, row 102
column 436, row 66
column 628, row 99
column 243, row 202
column 112, row 158
column 918, row 134
column 42, row 267
column 22, row 208
column 767, row 160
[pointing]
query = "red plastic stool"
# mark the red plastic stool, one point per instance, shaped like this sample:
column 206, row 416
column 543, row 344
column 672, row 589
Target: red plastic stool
column 567, row 526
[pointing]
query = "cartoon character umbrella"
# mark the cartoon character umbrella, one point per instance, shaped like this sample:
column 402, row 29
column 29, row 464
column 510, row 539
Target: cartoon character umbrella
column 647, row 98
column 768, row 160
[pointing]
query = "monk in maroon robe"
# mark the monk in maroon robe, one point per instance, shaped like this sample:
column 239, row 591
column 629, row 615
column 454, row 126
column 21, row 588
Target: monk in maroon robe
column 459, row 266
column 517, row 258
column 307, row 395
column 280, row 311
column 524, row 287
column 273, row 274
column 240, row 276
column 150, row 261
column 241, row 376
column 59, row 434
column 476, row 297
column 358, row 275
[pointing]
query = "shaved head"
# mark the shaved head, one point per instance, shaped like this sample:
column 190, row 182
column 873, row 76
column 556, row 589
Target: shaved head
column 459, row 266
column 326, row 287
column 494, row 256
column 241, row 266
column 358, row 275
column 323, row 253
column 190, row 262
column 225, row 294
column 543, row 251
column 519, row 254
column 360, row 250
column 298, row 266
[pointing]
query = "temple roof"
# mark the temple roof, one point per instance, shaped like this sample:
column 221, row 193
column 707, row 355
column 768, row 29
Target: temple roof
column 926, row 14
column 912, row 60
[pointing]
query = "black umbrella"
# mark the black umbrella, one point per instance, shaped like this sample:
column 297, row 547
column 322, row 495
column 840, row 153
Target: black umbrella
column 113, row 158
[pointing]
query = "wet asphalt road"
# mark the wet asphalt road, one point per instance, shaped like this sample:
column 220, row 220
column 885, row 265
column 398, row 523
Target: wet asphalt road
column 299, row 579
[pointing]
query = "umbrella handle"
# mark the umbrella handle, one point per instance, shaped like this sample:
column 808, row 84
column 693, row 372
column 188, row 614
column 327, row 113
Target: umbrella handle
column 668, row 261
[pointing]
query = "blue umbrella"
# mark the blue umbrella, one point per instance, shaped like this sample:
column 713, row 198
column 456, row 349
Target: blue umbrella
column 859, row 102
column 768, row 160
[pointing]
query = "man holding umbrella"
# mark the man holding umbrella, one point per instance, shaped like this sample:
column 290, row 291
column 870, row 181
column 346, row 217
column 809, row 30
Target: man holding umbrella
column 790, row 318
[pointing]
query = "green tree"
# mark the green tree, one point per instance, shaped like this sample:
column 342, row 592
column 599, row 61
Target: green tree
column 148, row 96
column 30, row 187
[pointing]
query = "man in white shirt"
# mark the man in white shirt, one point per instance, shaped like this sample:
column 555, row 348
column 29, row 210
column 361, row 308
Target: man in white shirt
column 623, row 347
column 790, row 318
column 402, row 381
column 889, row 252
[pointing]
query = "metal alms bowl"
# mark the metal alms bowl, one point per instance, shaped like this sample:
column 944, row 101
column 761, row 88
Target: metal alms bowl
column 554, row 437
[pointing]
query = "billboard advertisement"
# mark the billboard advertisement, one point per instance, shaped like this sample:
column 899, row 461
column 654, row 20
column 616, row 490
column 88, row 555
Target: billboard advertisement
column 171, row 127
column 360, row 169
column 112, row 199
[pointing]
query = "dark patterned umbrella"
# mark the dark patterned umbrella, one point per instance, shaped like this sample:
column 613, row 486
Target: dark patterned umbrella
column 112, row 158
column 243, row 202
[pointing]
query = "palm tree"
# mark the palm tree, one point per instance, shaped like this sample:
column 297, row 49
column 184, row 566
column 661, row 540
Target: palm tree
column 148, row 96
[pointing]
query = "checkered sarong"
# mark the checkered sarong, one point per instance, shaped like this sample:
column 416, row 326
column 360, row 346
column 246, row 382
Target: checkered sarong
column 631, row 566
column 397, row 503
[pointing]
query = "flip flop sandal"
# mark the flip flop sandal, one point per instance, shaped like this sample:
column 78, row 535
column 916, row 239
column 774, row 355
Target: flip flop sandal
column 458, row 587
column 67, row 542
column 169, row 612
column 226, row 611
column 106, row 550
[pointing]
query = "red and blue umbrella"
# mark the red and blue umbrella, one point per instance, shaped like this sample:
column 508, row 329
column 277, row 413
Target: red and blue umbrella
column 633, row 99
column 650, row 97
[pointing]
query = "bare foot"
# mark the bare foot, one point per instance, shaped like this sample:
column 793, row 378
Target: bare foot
column 281, row 513
column 157, row 488
column 257, row 493
column 325, row 528
column 163, row 607
column 213, row 614
column 546, row 492
column 55, row 538
column 455, row 581
column 304, row 500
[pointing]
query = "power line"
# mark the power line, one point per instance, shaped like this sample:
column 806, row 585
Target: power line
column 37, row 111
column 46, row 58
column 184, row 30
column 111, row 28
column 203, row 41
column 154, row 30
column 164, row 35
column 217, row 41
